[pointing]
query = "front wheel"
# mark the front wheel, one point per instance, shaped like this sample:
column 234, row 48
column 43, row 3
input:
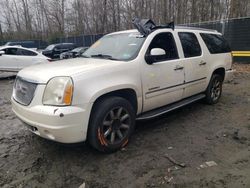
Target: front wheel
column 214, row 90
column 111, row 124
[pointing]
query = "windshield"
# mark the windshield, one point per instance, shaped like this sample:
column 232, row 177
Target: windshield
column 124, row 47
column 50, row 47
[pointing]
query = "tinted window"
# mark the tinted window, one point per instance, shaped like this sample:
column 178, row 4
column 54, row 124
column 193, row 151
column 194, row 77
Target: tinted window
column 166, row 42
column 190, row 44
column 65, row 46
column 59, row 47
column 10, row 51
column 25, row 52
column 215, row 43
column 70, row 46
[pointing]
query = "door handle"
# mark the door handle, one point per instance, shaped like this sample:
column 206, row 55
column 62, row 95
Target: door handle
column 178, row 67
column 202, row 63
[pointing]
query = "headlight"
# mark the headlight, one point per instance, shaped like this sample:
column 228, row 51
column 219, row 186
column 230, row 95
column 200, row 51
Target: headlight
column 58, row 92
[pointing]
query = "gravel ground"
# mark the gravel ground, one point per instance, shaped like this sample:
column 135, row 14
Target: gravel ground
column 192, row 135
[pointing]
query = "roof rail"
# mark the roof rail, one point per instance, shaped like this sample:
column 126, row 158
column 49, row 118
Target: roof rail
column 194, row 28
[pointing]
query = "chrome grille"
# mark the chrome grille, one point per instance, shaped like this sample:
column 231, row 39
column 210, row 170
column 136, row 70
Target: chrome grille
column 24, row 91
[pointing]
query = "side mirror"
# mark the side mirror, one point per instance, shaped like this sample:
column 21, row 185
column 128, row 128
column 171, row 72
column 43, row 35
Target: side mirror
column 2, row 52
column 155, row 53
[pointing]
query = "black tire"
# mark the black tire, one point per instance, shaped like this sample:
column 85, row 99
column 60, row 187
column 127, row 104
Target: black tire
column 112, row 122
column 214, row 89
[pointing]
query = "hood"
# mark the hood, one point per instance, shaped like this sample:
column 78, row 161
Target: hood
column 42, row 73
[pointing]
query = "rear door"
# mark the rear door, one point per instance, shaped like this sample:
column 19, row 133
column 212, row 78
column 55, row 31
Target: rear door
column 196, row 67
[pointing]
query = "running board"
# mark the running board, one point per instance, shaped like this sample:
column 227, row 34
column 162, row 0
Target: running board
column 165, row 109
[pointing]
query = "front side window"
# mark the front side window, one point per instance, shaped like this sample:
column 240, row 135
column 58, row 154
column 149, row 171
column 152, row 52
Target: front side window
column 50, row 47
column 70, row 46
column 190, row 44
column 122, row 47
column 64, row 47
column 10, row 51
column 166, row 42
column 215, row 43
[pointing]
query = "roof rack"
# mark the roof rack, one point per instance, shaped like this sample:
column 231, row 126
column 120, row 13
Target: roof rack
column 147, row 26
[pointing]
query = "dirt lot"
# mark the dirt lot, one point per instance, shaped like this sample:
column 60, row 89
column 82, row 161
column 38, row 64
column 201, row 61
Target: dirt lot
column 191, row 135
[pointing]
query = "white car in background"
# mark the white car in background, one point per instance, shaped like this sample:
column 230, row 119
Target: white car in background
column 15, row 58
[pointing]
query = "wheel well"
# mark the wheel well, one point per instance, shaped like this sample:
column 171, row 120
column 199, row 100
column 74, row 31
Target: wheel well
column 128, row 94
column 220, row 71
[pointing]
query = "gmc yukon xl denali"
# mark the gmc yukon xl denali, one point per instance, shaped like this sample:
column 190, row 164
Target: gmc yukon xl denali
column 125, row 76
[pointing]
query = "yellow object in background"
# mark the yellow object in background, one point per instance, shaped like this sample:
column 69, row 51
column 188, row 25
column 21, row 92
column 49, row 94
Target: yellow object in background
column 241, row 53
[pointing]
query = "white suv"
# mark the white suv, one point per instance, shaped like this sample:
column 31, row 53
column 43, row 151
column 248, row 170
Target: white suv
column 123, row 77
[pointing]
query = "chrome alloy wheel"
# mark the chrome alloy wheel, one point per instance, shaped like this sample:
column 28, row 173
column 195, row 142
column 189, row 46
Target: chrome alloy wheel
column 216, row 90
column 116, row 125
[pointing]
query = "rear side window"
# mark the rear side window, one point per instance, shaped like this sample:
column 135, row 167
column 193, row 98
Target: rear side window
column 25, row 52
column 190, row 44
column 215, row 43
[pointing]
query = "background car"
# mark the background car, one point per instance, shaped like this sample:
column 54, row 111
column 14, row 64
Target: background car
column 54, row 50
column 14, row 58
column 73, row 53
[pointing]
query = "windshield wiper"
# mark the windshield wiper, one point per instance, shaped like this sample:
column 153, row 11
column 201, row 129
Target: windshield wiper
column 104, row 56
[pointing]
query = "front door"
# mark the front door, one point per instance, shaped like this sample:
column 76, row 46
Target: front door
column 9, row 61
column 163, row 80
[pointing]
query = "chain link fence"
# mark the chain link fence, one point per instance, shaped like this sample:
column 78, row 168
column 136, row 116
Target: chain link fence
column 236, row 31
column 83, row 40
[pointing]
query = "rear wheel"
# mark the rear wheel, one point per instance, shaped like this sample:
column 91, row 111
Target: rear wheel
column 214, row 90
column 111, row 124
